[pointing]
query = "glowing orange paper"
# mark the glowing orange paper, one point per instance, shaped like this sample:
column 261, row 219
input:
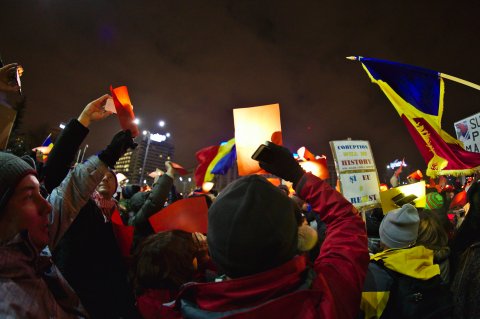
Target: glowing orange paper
column 274, row 181
column 189, row 214
column 254, row 126
column 317, row 167
column 123, row 234
column 124, row 109
column 306, row 154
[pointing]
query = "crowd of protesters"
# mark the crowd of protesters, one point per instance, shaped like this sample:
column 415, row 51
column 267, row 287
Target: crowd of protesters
column 269, row 252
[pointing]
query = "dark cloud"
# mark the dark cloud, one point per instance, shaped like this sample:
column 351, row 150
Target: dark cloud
column 190, row 63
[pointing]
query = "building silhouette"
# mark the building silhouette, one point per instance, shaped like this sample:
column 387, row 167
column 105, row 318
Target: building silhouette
column 151, row 153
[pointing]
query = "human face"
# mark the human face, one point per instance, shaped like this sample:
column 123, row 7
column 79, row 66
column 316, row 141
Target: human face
column 28, row 210
column 107, row 186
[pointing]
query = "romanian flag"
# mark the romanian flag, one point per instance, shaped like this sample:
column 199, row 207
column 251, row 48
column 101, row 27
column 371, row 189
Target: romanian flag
column 46, row 147
column 217, row 159
column 417, row 95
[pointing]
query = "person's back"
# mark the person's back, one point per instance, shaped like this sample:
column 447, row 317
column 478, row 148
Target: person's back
column 252, row 238
column 403, row 281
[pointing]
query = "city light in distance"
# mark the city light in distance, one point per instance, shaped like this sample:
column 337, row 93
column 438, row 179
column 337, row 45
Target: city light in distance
column 161, row 123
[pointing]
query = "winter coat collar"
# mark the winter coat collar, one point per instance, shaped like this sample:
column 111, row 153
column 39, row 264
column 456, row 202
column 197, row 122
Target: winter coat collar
column 416, row 262
column 247, row 291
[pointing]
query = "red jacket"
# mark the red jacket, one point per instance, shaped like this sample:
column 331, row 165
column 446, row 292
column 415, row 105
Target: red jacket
column 331, row 290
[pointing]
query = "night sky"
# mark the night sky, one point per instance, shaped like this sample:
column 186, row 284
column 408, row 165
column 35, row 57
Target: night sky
column 190, row 63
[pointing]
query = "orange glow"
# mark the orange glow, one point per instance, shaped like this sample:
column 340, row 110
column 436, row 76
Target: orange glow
column 306, row 154
column 383, row 187
column 207, row 186
column 254, row 126
column 317, row 167
column 274, row 181
column 122, row 95
column 124, row 109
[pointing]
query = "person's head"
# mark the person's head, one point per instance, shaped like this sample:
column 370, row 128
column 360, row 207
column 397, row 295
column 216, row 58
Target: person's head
column 164, row 260
column 22, row 206
column 373, row 218
column 251, row 227
column 108, row 185
column 434, row 201
column 137, row 200
column 129, row 190
column 399, row 228
column 431, row 232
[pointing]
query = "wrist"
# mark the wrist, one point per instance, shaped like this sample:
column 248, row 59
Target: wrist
column 84, row 120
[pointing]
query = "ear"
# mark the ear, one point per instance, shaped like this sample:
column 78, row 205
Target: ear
column 307, row 238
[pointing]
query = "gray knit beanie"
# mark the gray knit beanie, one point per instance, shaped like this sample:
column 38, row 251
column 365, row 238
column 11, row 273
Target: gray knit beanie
column 12, row 170
column 399, row 228
column 251, row 227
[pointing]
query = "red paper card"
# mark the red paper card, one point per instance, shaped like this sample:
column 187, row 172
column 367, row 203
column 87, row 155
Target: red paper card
column 124, row 109
column 124, row 234
column 189, row 214
column 179, row 168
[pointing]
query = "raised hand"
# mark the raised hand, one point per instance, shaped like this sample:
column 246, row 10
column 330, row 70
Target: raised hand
column 94, row 111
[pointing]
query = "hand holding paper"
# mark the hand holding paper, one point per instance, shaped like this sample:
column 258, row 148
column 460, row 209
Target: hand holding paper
column 124, row 109
column 94, row 111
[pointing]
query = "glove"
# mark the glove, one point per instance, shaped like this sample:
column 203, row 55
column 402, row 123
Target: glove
column 283, row 164
column 120, row 143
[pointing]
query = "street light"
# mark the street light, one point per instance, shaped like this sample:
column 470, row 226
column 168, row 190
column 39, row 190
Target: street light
column 148, row 134
column 151, row 137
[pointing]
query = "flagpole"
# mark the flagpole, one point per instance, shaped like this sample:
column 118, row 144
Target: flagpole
column 461, row 81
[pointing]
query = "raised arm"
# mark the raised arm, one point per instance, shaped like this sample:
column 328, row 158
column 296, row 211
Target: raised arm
column 67, row 143
column 152, row 205
column 75, row 190
column 343, row 258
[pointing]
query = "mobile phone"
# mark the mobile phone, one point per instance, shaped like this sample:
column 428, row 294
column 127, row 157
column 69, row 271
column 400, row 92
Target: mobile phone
column 263, row 154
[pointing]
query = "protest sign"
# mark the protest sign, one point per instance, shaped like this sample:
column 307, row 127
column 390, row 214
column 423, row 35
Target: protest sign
column 356, row 171
column 468, row 132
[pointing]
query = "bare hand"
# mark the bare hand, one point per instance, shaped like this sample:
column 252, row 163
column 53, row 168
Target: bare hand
column 170, row 169
column 94, row 111
column 7, row 73
column 200, row 243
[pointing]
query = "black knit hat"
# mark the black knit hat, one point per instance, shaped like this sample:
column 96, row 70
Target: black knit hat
column 251, row 227
column 12, row 170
